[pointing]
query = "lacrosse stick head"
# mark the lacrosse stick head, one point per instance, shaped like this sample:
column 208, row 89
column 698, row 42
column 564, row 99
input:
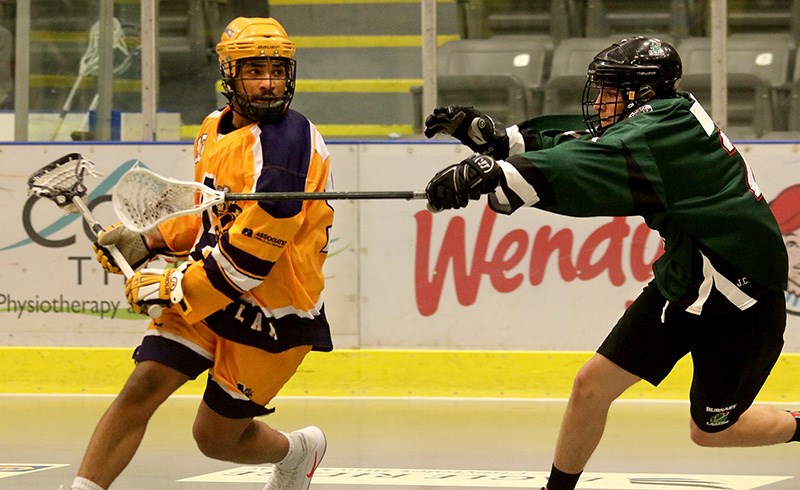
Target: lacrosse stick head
column 62, row 180
column 142, row 199
column 90, row 61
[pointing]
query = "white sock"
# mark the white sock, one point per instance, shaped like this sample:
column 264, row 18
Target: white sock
column 291, row 458
column 81, row 483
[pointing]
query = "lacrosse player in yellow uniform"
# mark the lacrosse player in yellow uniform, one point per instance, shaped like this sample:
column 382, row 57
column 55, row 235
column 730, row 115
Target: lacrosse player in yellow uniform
column 246, row 306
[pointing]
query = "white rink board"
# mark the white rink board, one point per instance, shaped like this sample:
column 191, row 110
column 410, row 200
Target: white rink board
column 494, row 286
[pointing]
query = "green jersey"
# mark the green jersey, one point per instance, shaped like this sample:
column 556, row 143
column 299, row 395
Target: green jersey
column 670, row 164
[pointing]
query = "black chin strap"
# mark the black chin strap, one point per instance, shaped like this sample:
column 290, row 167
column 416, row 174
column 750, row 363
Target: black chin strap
column 226, row 122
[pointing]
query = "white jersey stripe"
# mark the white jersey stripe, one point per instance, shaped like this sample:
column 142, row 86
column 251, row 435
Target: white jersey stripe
column 516, row 144
column 242, row 281
column 713, row 279
column 518, row 185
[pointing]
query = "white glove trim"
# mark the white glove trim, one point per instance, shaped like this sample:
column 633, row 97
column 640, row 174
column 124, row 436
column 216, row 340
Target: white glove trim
column 474, row 131
column 152, row 291
column 176, row 288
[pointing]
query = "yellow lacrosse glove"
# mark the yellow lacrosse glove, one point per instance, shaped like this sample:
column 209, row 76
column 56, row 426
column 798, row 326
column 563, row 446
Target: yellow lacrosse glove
column 149, row 287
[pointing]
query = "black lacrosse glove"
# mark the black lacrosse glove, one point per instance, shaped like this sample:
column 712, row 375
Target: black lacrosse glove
column 479, row 132
column 453, row 187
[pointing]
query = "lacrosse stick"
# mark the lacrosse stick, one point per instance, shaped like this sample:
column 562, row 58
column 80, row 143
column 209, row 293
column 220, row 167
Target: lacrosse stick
column 142, row 199
column 90, row 65
column 62, row 182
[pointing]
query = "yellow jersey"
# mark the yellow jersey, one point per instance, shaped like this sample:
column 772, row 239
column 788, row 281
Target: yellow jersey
column 264, row 254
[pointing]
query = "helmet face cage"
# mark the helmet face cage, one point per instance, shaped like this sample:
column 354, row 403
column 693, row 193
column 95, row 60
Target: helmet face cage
column 263, row 45
column 624, row 103
column 252, row 105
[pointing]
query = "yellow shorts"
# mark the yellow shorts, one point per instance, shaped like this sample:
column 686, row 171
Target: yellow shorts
column 242, row 379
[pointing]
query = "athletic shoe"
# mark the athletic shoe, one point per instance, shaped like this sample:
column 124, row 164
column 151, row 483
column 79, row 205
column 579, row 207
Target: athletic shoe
column 310, row 443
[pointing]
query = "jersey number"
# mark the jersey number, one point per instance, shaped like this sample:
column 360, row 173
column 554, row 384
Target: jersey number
column 710, row 128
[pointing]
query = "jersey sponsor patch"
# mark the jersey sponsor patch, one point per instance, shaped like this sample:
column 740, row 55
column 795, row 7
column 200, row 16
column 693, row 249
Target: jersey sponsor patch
column 264, row 237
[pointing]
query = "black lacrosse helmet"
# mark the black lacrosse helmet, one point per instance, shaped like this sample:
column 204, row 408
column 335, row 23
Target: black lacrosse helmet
column 641, row 68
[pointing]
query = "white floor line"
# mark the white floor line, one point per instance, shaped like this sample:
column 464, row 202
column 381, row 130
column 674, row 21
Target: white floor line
column 495, row 479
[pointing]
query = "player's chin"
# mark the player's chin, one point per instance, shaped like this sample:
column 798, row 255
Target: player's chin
column 607, row 122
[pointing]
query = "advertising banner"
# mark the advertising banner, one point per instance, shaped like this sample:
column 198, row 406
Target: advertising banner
column 474, row 279
column 398, row 275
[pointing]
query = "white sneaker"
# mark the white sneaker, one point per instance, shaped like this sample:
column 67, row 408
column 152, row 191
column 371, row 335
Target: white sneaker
column 307, row 447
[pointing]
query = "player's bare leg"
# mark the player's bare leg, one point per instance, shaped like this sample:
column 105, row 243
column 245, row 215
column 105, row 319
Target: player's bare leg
column 296, row 455
column 597, row 385
column 245, row 441
column 759, row 425
column 119, row 432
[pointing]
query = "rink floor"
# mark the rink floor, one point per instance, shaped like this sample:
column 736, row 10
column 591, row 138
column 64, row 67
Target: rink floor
column 400, row 443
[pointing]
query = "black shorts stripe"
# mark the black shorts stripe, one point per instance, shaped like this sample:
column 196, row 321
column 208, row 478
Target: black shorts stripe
column 172, row 354
column 221, row 402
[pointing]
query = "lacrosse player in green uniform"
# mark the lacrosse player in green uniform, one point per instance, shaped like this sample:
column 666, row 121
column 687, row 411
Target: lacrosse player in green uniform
column 717, row 291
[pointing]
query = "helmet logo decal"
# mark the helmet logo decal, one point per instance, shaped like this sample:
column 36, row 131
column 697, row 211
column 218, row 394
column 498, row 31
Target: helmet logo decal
column 655, row 48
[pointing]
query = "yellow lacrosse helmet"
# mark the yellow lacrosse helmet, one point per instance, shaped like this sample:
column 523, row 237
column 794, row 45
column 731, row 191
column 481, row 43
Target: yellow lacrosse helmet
column 250, row 37
column 246, row 38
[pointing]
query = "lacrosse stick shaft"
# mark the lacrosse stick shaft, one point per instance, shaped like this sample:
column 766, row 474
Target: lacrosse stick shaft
column 142, row 199
column 85, row 122
column 306, row 196
column 154, row 311
column 67, row 106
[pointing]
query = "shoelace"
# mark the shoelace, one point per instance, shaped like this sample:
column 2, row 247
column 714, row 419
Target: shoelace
column 287, row 477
